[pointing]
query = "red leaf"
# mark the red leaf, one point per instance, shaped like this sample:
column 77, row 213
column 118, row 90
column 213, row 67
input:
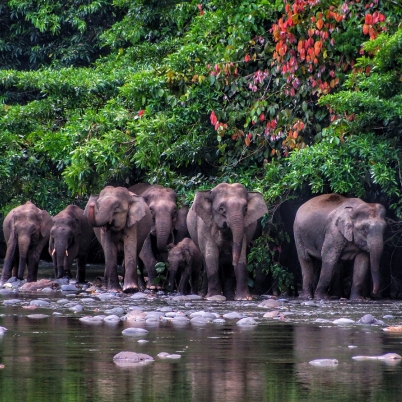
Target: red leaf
column 246, row 58
column 213, row 118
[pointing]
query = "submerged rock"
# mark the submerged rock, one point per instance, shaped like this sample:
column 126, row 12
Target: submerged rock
column 134, row 331
column 248, row 321
column 324, row 362
column 386, row 357
column 368, row 319
column 343, row 321
column 270, row 303
column 127, row 359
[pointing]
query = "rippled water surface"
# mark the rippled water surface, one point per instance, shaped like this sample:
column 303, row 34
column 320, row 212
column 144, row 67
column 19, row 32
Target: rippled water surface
column 60, row 358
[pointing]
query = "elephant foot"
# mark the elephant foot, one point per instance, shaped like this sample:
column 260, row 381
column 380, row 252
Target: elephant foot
column 244, row 297
column 130, row 289
column 322, row 296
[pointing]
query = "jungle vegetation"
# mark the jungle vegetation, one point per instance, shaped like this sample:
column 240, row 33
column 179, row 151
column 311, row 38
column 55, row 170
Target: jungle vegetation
column 289, row 97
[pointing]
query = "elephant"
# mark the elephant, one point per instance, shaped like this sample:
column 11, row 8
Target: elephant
column 222, row 222
column 122, row 222
column 167, row 223
column 333, row 229
column 185, row 264
column 26, row 231
column 70, row 238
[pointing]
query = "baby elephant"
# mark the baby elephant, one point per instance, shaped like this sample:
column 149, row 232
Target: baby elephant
column 185, row 263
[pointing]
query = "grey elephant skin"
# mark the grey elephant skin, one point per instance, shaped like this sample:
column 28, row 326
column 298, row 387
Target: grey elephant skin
column 222, row 223
column 168, row 224
column 122, row 221
column 185, row 265
column 70, row 238
column 332, row 229
column 26, row 231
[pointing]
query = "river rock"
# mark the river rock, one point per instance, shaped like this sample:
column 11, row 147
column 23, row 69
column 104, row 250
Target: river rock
column 115, row 311
column 112, row 319
column 77, row 308
column 386, row 357
column 234, row 315
column 134, row 331
column 199, row 320
column 218, row 298
column 368, row 319
column 138, row 295
column 3, row 330
column 247, row 322
column 270, row 303
column 12, row 302
column 38, row 316
column 343, row 321
column 87, row 300
column 271, row 314
column 204, row 314
column 324, row 362
column 127, row 359
column 219, row 321
column 173, row 356
column 97, row 319
column 39, row 303
column 163, row 355
column 69, row 288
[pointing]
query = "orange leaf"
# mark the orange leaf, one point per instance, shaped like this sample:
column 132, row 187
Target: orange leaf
column 320, row 24
column 366, row 29
column 317, row 47
column 368, row 19
column 247, row 141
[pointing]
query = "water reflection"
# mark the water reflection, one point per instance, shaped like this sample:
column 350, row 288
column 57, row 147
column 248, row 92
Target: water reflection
column 60, row 358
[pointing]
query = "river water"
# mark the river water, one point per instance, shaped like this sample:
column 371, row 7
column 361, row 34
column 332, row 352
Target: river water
column 49, row 354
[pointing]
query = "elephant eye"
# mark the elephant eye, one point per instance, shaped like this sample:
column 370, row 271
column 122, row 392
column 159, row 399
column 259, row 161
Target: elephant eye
column 222, row 211
column 245, row 210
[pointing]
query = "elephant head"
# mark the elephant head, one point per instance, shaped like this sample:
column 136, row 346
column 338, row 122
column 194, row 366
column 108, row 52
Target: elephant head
column 179, row 257
column 231, row 209
column 162, row 204
column 364, row 225
column 114, row 209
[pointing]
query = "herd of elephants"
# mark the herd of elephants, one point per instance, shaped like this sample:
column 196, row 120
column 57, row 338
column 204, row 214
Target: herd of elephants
column 205, row 246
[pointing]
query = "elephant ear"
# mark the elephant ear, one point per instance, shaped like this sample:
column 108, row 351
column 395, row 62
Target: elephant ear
column 92, row 198
column 344, row 223
column 77, row 229
column 187, row 255
column 256, row 208
column 46, row 223
column 203, row 206
column 137, row 209
column 181, row 219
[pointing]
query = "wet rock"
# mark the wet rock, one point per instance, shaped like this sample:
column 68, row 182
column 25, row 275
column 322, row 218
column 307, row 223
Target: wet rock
column 38, row 316
column 154, row 314
column 138, row 295
column 163, row 355
column 142, row 341
column 12, row 302
column 87, row 300
column 105, row 296
column 127, row 359
column 394, row 328
column 171, row 314
column 271, row 314
column 180, row 319
column 3, row 330
column 219, row 321
column 203, row 314
column 270, row 303
column 218, row 298
column 153, row 320
column 234, row 315
column 115, row 311
column 166, row 309
column 199, row 320
column 248, row 321
column 386, row 357
column 173, row 356
column 98, row 319
column 5, row 291
column 112, row 319
column 63, row 301
column 77, row 308
column 39, row 303
column 310, row 303
column 323, row 321
column 324, row 362
column 389, row 317
column 134, row 331
column 368, row 319
column 343, row 321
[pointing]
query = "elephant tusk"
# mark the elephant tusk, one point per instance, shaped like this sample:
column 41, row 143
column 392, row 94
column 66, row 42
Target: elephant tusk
column 53, row 252
column 66, row 253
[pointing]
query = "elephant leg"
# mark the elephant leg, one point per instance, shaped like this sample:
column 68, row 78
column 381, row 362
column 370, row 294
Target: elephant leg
column 8, row 262
column 307, row 268
column 110, row 250
column 81, row 264
column 204, row 286
column 194, row 279
column 360, row 271
column 241, row 272
column 149, row 260
column 212, row 269
column 184, row 281
column 141, row 280
column 130, row 264
column 228, row 280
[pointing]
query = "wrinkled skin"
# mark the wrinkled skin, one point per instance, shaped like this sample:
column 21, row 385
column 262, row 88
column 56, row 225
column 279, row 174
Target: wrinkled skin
column 122, row 221
column 166, row 224
column 332, row 229
column 222, row 223
column 26, row 231
column 70, row 238
column 185, row 264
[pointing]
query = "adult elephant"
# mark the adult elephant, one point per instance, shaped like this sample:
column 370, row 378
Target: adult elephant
column 331, row 228
column 70, row 238
column 167, row 224
column 222, row 223
column 122, row 221
column 26, row 231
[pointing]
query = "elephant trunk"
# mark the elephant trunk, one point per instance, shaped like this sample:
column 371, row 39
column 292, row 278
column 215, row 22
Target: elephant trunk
column 237, row 227
column 61, row 257
column 172, row 278
column 8, row 261
column 376, row 247
column 23, row 246
column 91, row 214
column 163, row 234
